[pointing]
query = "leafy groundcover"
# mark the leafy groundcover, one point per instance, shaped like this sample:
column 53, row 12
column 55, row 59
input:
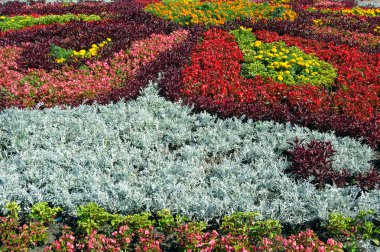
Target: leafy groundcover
column 189, row 126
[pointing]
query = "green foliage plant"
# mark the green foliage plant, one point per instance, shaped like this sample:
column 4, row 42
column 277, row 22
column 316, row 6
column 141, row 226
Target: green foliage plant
column 166, row 221
column 12, row 210
column 351, row 230
column 247, row 223
column 91, row 216
column 43, row 213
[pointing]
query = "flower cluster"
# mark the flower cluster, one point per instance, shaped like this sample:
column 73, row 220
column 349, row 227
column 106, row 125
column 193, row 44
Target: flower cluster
column 63, row 55
column 218, row 12
column 19, row 22
column 276, row 60
column 359, row 11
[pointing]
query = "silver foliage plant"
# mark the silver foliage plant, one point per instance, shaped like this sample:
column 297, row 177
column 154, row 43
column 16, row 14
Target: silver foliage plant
column 150, row 154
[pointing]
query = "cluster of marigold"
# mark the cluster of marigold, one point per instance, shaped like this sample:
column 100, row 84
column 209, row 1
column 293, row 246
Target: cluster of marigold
column 93, row 52
column 276, row 60
column 217, row 12
column 215, row 71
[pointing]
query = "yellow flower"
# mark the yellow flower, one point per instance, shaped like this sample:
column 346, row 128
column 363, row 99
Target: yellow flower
column 287, row 72
column 108, row 39
column 60, row 60
column 82, row 52
column 280, row 78
column 258, row 43
column 2, row 17
column 274, row 50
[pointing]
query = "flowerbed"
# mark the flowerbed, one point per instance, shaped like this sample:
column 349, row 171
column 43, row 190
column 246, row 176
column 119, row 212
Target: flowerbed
column 218, row 12
column 156, row 152
column 97, row 230
column 257, row 107
column 213, row 80
column 38, row 73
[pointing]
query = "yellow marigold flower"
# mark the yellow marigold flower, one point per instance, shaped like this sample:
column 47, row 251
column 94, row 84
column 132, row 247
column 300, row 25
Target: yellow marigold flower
column 244, row 29
column 82, row 52
column 258, row 43
column 60, row 60
column 287, row 72
column 93, row 51
column 280, row 78
column 307, row 70
column 108, row 39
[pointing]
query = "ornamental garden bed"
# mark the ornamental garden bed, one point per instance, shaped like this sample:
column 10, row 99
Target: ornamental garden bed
column 189, row 126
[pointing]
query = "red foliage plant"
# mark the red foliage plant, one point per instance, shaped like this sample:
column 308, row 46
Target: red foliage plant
column 315, row 160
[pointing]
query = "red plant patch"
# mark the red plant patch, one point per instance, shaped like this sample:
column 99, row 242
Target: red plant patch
column 315, row 160
column 215, row 72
